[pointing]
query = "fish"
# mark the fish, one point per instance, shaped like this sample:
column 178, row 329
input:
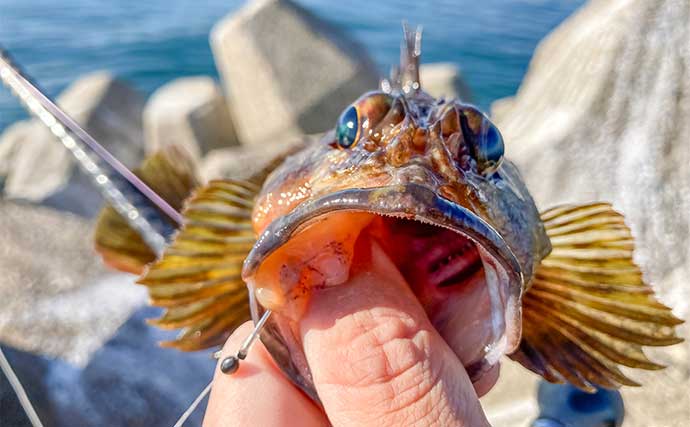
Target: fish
column 425, row 183
column 426, row 179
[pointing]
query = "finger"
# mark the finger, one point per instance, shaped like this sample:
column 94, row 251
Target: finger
column 375, row 358
column 258, row 394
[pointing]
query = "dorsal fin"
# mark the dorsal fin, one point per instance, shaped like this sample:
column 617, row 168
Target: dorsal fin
column 410, row 52
column 588, row 309
column 405, row 77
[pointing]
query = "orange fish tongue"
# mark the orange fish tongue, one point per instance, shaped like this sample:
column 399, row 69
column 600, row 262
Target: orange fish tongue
column 318, row 257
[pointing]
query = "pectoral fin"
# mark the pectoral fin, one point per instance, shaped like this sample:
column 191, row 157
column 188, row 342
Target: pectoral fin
column 198, row 281
column 198, row 278
column 171, row 174
column 588, row 309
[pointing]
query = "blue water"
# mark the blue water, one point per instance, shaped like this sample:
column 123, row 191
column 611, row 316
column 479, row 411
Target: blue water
column 151, row 42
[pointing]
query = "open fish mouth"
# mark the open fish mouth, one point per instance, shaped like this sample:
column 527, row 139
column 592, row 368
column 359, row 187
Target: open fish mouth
column 460, row 268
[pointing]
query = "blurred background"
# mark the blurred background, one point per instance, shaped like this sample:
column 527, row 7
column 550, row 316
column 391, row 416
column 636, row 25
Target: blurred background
column 592, row 97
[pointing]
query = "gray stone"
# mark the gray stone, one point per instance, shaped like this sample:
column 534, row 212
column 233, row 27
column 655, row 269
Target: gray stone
column 35, row 166
column 189, row 112
column 444, row 79
column 32, row 162
column 603, row 115
column 9, row 141
column 129, row 382
column 243, row 161
column 286, row 72
column 56, row 297
column 111, row 111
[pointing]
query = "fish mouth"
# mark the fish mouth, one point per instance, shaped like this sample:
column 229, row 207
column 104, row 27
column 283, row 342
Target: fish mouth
column 460, row 268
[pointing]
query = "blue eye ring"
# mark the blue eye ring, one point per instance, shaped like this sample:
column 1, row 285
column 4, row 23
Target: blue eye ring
column 348, row 129
column 484, row 139
column 491, row 148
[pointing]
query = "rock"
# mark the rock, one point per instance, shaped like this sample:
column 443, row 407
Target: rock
column 504, row 405
column 110, row 111
column 36, row 167
column 33, row 163
column 190, row 112
column 31, row 371
column 243, row 161
column 444, row 79
column 10, row 139
column 501, row 107
column 130, row 381
column 286, row 72
column 56, row 297
column 603, row 115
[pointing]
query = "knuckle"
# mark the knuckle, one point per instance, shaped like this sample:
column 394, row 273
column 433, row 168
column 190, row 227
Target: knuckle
column 385, row 366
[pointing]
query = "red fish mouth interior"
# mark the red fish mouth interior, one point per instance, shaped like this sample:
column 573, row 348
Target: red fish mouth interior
column 460, row 286
column 446, row 271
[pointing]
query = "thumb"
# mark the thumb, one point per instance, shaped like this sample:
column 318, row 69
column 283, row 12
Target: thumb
column 375, row 358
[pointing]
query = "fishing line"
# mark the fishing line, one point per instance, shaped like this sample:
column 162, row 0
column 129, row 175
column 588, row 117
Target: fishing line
column 229, row 365
column 244, row 348
column 193, row 406
column 19, row 391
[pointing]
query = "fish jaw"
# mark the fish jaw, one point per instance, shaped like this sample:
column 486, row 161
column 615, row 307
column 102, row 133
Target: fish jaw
column 315, row 245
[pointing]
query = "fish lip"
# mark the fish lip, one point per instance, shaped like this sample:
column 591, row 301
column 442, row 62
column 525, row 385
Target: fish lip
column 409, row 201
column 412, row 201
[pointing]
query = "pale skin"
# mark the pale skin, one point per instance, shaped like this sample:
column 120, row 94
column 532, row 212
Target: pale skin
column 375, row 358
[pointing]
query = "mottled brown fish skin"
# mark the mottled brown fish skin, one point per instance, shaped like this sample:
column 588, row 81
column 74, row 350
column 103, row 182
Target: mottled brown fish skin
column 405, row 148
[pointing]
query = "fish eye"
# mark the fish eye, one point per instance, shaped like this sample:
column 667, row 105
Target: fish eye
column 348, row 128
column 484, row 138
column 361, row 118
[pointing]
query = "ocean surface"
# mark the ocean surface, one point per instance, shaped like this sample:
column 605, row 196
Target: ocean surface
column 149, row 43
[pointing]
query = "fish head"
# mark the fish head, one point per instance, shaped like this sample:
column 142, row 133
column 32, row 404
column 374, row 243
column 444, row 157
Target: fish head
column 427, row 180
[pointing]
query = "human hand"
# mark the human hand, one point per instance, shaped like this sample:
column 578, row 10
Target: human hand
column 376, row 361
